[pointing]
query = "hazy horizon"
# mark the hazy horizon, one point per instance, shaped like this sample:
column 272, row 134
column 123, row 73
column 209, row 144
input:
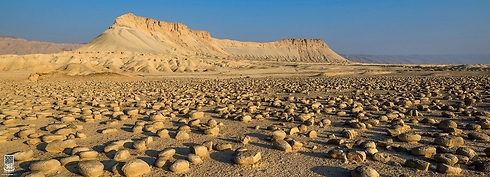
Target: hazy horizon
column 348, row 27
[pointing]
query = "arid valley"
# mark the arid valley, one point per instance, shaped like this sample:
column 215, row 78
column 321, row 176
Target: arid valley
column 154, row 98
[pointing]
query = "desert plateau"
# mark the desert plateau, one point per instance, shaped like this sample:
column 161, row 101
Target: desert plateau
column 155, row 98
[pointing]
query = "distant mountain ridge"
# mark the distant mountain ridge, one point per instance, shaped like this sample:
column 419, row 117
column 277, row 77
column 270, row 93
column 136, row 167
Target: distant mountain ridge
column 420, row 59
column 19, row 46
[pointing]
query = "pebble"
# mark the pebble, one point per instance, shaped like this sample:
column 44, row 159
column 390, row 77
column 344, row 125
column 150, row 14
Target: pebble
column 409, row 138
column 478, row 136
column 446, row 158
column 67, row 160
column 180, row 166
column 427, row 151
column 122, row 155
column 200, row 150
column 45, row 166
column 448, row 169
column 59, row 146
column 167, row 153
column 88, row 155
column 194, row 159
column 278, row 135
column 417, row 164
column 282, row 145
column 136, row 167
column 449, row 141
column 364, row 171
column 223, row 146
column 247, row 157
column 163, row 133
column 356, row 156
column 181, row 135
column 381, row 157
column 23, row 155
column 91, row 168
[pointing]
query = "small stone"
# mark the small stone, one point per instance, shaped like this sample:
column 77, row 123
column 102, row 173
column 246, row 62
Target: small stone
column 278, row 135
column 88, row 155
column 448, row 169
column 364, row 171
column 109, row 130
column 296, row 144
column 282, row 145
column 200, row 150
column 446, row 158
column 23, row 155
column 122, row 155
column 356, row 156
column 246, row 118
column 247, row 157
column 180, row 166
column 468, row 152
column 427, row 151
column 349, row 134
column 313, row 134
column 381, row 157
column 478, row 136
column 293, row 130
column 336, row 154
column 139, row 145
column 223, row 146
column 163, row 133
column 91, row 168
column 212, row 131
column 196, row 115
column 182, row 135
column 45, row 166
column 417, row 164
column 167, row 153
column 70, row 159
column 161, row 161
column 77, row 150
column 194, row 159
column 449, row 141
column 59, row 146
column 409, row 138
column 136, row 167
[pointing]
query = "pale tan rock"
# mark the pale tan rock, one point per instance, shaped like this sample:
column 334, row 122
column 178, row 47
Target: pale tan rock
column 247, row 157
column 88, row 155
column 447, row 169
column 108, row 130
column 122, row 155
column 70, row 159
column 45, row 166
column 135, row 168
column 194, row 159
column 180, row 166
column 364, row 171
column 167, row 153
column 91, row 168
column 23, row 155
column 163, row 133
column 200, row 150
column 282, row 145
column 182, row 135
column 278, row 135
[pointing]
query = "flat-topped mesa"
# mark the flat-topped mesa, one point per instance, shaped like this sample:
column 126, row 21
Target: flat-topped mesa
column 130, row 20
column 133, row 33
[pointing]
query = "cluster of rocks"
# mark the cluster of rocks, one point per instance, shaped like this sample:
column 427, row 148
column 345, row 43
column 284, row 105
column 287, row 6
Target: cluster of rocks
column 429, row 120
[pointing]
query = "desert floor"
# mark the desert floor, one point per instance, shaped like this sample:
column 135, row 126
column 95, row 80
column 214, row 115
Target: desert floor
column 338, row 111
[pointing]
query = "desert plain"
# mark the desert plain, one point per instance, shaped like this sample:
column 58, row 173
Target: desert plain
column 151, row 98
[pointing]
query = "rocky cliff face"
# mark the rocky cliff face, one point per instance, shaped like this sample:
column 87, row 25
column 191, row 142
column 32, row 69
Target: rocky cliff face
column 145, row 35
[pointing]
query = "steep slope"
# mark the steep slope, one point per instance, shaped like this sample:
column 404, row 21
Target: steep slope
column 144, row 35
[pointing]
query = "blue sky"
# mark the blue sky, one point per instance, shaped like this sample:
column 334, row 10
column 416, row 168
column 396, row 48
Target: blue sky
column 377, row 27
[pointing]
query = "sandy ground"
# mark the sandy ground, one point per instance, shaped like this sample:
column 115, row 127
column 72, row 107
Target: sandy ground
column 54, row 94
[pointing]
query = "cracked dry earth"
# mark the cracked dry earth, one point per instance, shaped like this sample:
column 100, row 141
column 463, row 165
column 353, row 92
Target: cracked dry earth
column 269, row 126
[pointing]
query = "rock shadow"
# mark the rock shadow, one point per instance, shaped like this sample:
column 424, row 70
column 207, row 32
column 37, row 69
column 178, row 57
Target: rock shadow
column 331, row 171
column 225, row 156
